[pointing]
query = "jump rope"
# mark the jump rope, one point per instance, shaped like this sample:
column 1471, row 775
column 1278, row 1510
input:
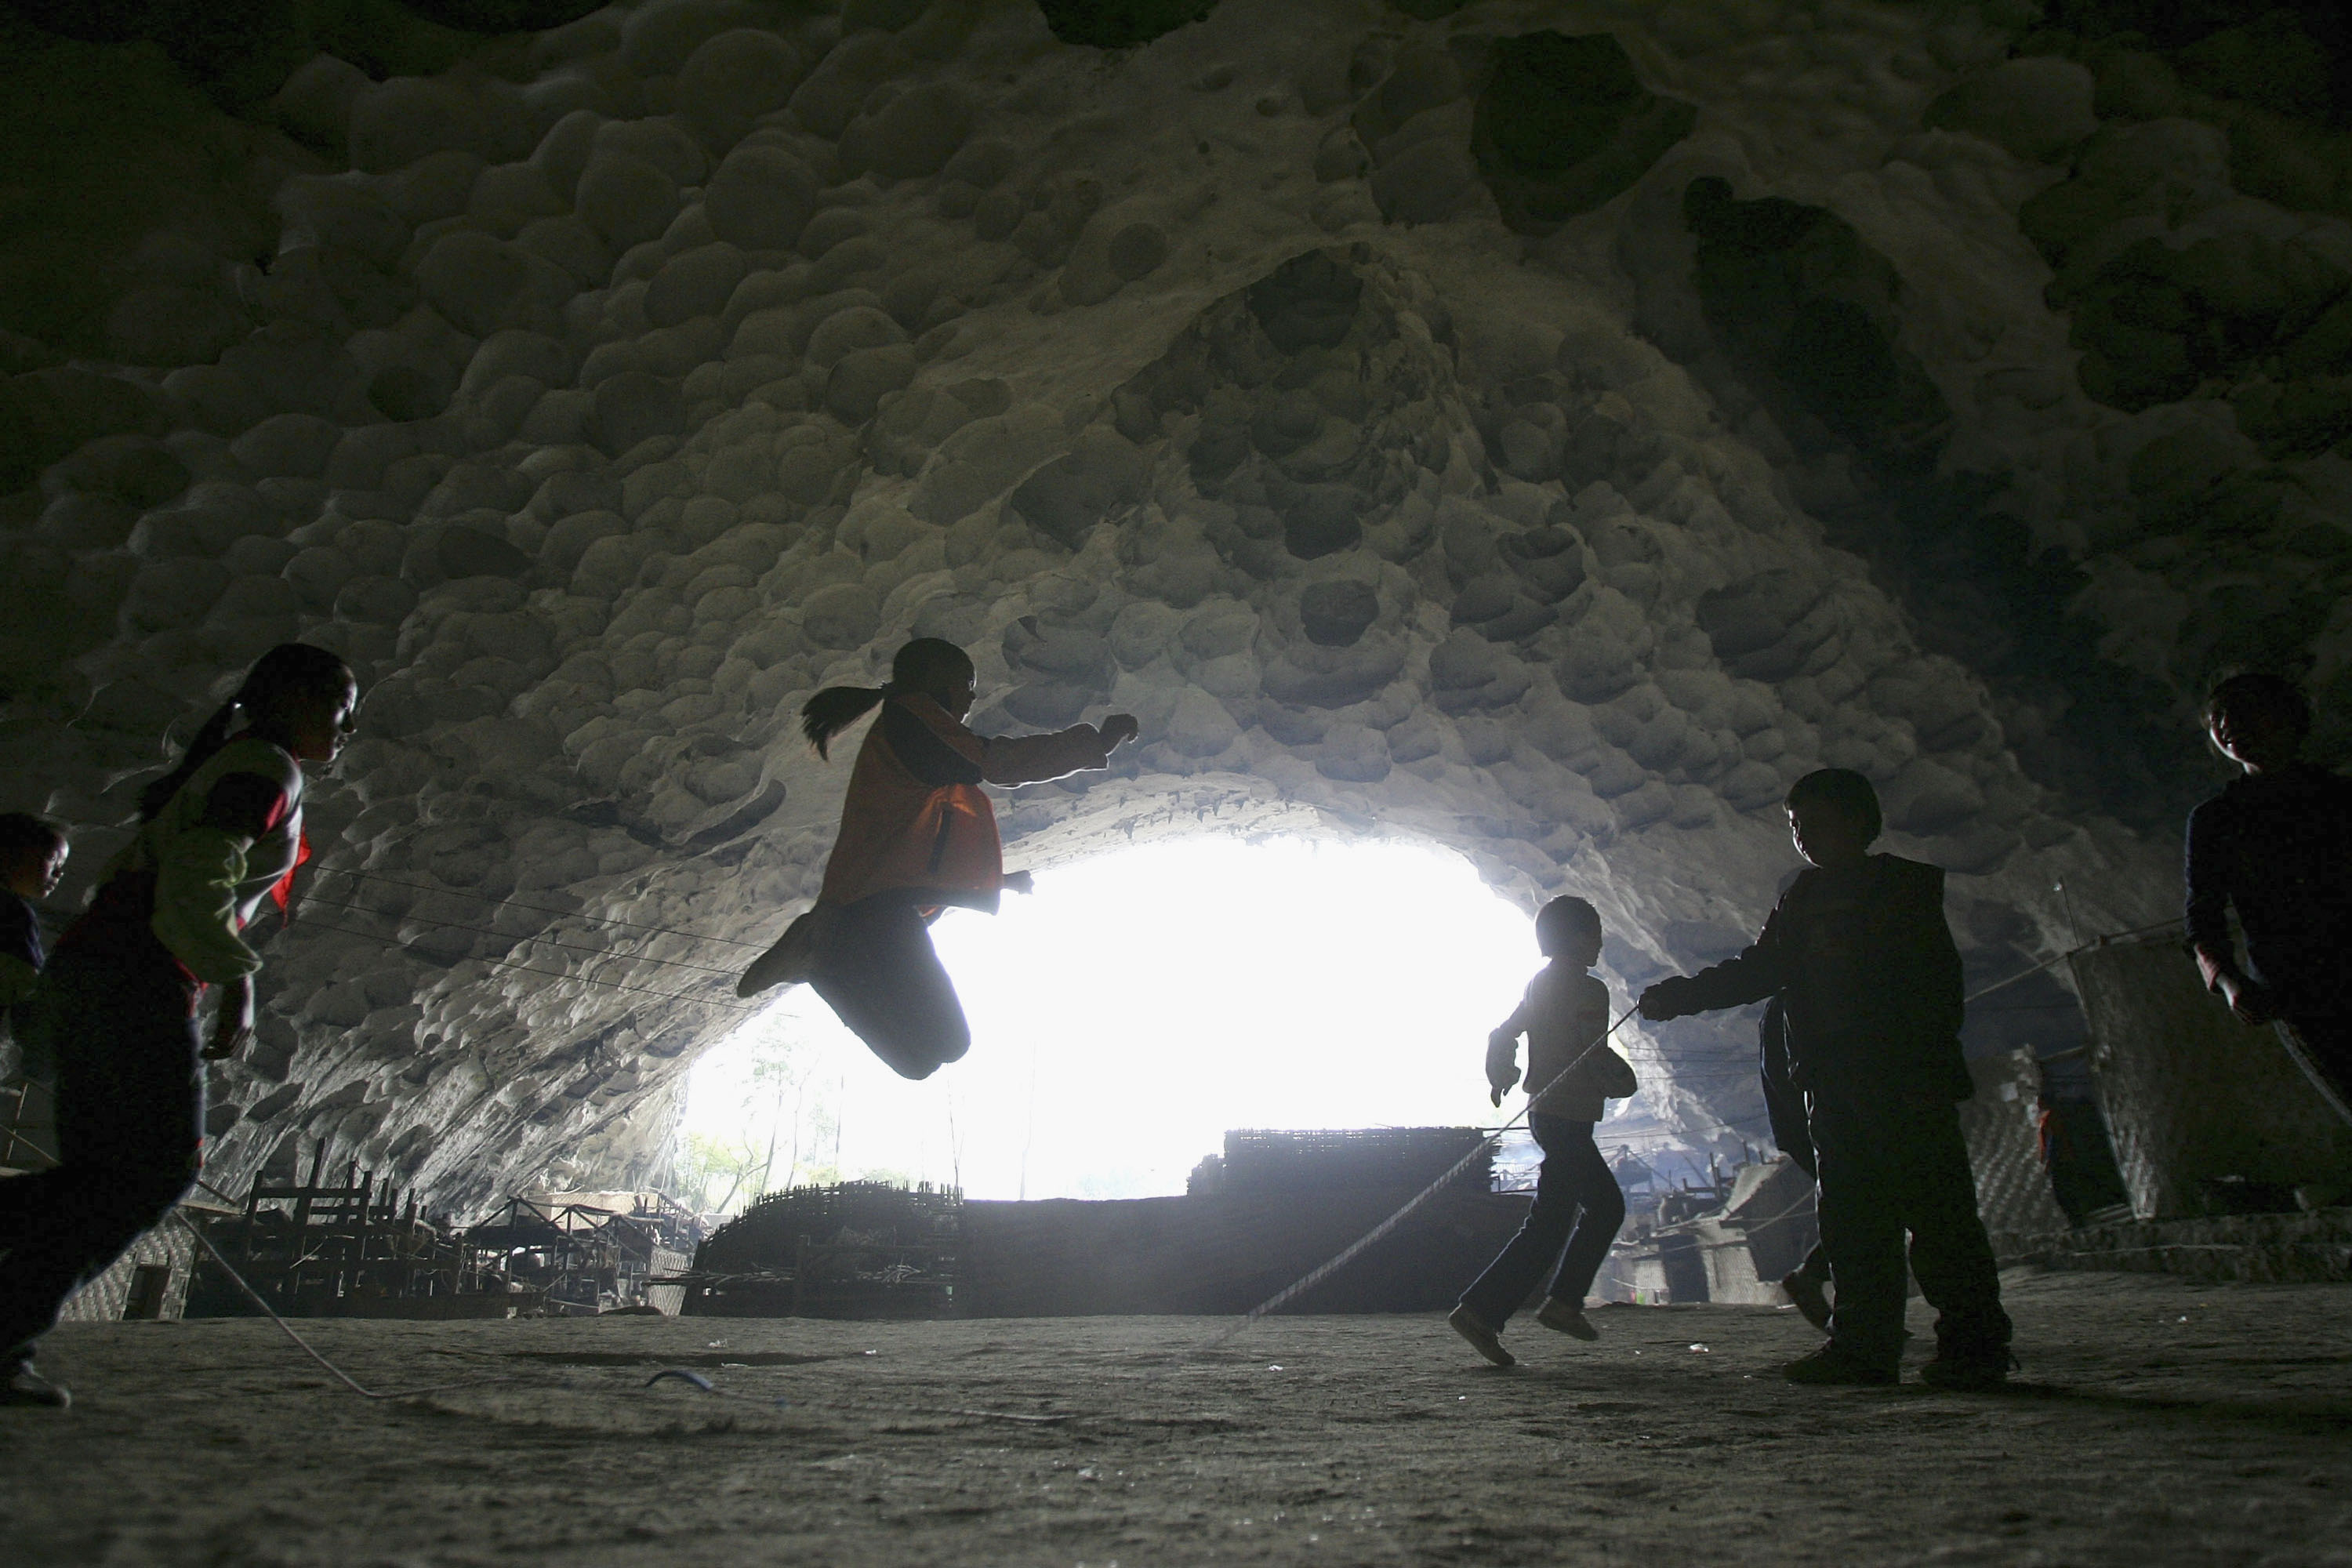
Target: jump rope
column 1273, row 1303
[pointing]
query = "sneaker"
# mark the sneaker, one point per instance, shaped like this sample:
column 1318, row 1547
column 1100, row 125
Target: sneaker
column 27, row 1387
column 1810, row 1299
column 1830, row 1367
column 1566, row 1318
column 1468, row 1324
column 1974, row 1374
column 790, row 963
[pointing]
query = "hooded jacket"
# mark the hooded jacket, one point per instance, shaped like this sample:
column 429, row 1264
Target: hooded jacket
column 915, row 820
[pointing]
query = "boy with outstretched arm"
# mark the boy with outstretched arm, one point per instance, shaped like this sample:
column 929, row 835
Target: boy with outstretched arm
column 1578, row 1206
column 1869, row 978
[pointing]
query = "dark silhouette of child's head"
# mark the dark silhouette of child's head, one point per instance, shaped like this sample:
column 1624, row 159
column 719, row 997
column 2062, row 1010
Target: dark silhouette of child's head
column 2257, row 720
column 1563, row 924
column 926, row 666
column 296, row 695
column 1834, row 815
column 32, row 854
column 937, row 668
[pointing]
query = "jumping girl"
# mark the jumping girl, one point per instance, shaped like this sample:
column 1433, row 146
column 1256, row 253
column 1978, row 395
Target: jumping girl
column 917, row 836
column 217, row 835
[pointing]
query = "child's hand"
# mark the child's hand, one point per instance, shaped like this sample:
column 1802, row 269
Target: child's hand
column 1118, row 729
column 1502, row 1065
column 2250, row 1000
column 1019, row 882
column 1664, row 1000
column 234, row 1027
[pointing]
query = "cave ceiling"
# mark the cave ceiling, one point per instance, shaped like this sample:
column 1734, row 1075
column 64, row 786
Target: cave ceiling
column 1538, row 430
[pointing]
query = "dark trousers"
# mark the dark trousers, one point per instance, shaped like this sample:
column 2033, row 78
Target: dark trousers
column 875, row 969
column 1568, row 1230
column 1888, row 1167
column 131, row 1110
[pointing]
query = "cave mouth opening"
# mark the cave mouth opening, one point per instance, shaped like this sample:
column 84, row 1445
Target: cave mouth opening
column 1124, row 1016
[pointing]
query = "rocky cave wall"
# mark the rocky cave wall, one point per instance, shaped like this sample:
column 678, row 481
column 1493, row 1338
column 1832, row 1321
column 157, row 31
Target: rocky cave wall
column 1542, row 430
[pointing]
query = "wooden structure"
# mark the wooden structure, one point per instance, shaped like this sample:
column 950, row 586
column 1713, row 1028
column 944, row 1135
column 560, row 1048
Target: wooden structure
column 583, row 1258
column 349, row 1250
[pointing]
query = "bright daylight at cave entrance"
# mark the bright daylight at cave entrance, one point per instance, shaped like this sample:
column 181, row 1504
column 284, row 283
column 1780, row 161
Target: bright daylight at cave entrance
column 1004, row 781
column 1195, row 985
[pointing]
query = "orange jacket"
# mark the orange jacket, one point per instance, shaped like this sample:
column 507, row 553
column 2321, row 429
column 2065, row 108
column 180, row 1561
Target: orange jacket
column 914, row 817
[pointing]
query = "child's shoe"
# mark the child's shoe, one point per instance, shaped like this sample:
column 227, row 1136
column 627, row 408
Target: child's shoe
column 790, row 963
column 26, row 1386
column 1969, row 1373
column 1810, row 1299
column 1567, row 1318
column 1468, row 1324
column 1830, row 1367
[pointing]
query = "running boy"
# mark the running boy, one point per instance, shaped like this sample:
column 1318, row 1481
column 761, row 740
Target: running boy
column 2276, row 845
column 1577, row 1208
column 1867, row 969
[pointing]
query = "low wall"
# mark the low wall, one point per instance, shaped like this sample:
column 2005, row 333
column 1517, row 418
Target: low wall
column 1226, row 1253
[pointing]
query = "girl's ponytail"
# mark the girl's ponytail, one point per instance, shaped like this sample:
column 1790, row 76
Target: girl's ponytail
column 919, row 666
column 836, row 709
column 208, row 740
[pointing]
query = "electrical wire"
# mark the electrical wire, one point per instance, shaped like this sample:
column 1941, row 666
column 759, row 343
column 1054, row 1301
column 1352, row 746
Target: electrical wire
column 606, row 953
column 2056, row 959
column 559, row 974
column 536, row 909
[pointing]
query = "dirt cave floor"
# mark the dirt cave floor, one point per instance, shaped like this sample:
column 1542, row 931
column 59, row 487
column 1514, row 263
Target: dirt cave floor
column 2154, row 1421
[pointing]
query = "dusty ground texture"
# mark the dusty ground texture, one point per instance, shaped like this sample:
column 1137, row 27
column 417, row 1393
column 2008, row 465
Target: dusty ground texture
column 2156, row 1421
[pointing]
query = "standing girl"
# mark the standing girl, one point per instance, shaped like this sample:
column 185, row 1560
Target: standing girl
column 217, row 835
column 917, row 836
